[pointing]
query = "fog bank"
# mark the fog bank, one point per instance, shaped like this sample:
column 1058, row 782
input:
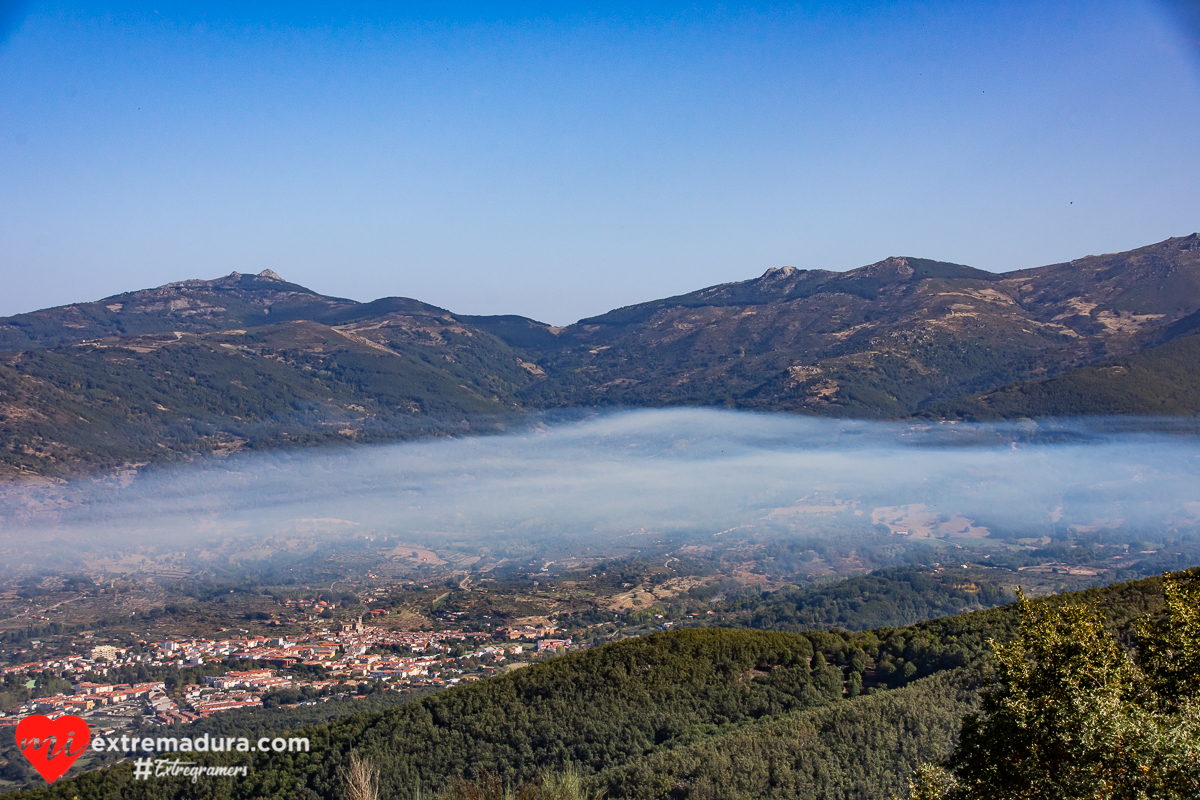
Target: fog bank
column 619, row 480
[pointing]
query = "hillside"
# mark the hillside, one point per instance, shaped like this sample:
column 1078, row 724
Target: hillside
column 886, row 598
column 194, row 306
column 114, row 401
column 1157, row 381
column 883, row 340
column 818, row 714
column 255, row 361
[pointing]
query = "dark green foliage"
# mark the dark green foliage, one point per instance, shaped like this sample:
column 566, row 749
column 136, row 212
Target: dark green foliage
column 1074, row 716
column 1169, row 645
column 888, row 598
column 1057, row 715
column 1160, row 381
column 852, row 750
column 601, row 707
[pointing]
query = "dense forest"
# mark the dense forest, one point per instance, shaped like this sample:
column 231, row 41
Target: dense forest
column 887, row 598
column 697, row 713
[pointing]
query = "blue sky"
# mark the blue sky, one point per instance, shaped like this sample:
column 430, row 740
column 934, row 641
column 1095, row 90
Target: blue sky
column 520, row 159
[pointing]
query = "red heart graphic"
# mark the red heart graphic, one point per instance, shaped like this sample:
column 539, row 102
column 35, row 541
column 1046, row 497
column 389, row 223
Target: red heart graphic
column 52, row 745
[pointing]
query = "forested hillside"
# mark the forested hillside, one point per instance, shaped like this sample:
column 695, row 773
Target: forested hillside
column 695, row 713
column 857, row 749
column 887, row 598
column 1157, row 381
column 165, row 397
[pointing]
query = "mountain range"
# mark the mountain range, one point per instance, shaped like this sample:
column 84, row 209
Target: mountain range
column 248, row 361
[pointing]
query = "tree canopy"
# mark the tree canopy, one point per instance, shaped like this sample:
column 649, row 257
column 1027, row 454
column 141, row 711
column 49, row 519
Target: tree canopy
column 1076, row 715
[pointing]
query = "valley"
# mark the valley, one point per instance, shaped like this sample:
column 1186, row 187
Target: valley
column 674, row 401
column 636, row 714
column 590, row 550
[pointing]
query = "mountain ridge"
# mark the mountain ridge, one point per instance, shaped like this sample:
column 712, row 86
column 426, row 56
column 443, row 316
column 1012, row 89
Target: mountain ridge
column 884, row 340
column 903, row 336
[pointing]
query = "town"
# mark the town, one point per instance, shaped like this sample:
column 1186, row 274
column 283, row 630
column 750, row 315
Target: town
column 327, row 661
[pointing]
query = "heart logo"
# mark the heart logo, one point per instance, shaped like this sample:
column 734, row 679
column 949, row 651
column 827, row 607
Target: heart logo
column 52, row 745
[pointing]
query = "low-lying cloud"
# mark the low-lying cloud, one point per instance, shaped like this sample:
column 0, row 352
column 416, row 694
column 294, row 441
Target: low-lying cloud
column 660, row 475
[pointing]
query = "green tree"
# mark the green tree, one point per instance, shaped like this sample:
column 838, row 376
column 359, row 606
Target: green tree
column 1075, row 716
column 1169, row 648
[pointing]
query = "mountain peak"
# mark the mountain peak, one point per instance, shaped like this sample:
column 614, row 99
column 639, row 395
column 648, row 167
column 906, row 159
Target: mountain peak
column 234, row 277
column 892, row 267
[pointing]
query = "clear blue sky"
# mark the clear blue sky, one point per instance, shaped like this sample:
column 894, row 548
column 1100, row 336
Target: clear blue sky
column 520, row 159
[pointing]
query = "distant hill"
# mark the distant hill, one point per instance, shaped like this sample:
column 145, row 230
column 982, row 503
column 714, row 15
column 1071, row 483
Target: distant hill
column 255, row 361
column 884, row 340
column 1157, row 381
column 195, row 306
column 113, row 401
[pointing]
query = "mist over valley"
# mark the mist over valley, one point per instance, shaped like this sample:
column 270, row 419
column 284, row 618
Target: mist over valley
column 623, row 483
column 599, row 402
